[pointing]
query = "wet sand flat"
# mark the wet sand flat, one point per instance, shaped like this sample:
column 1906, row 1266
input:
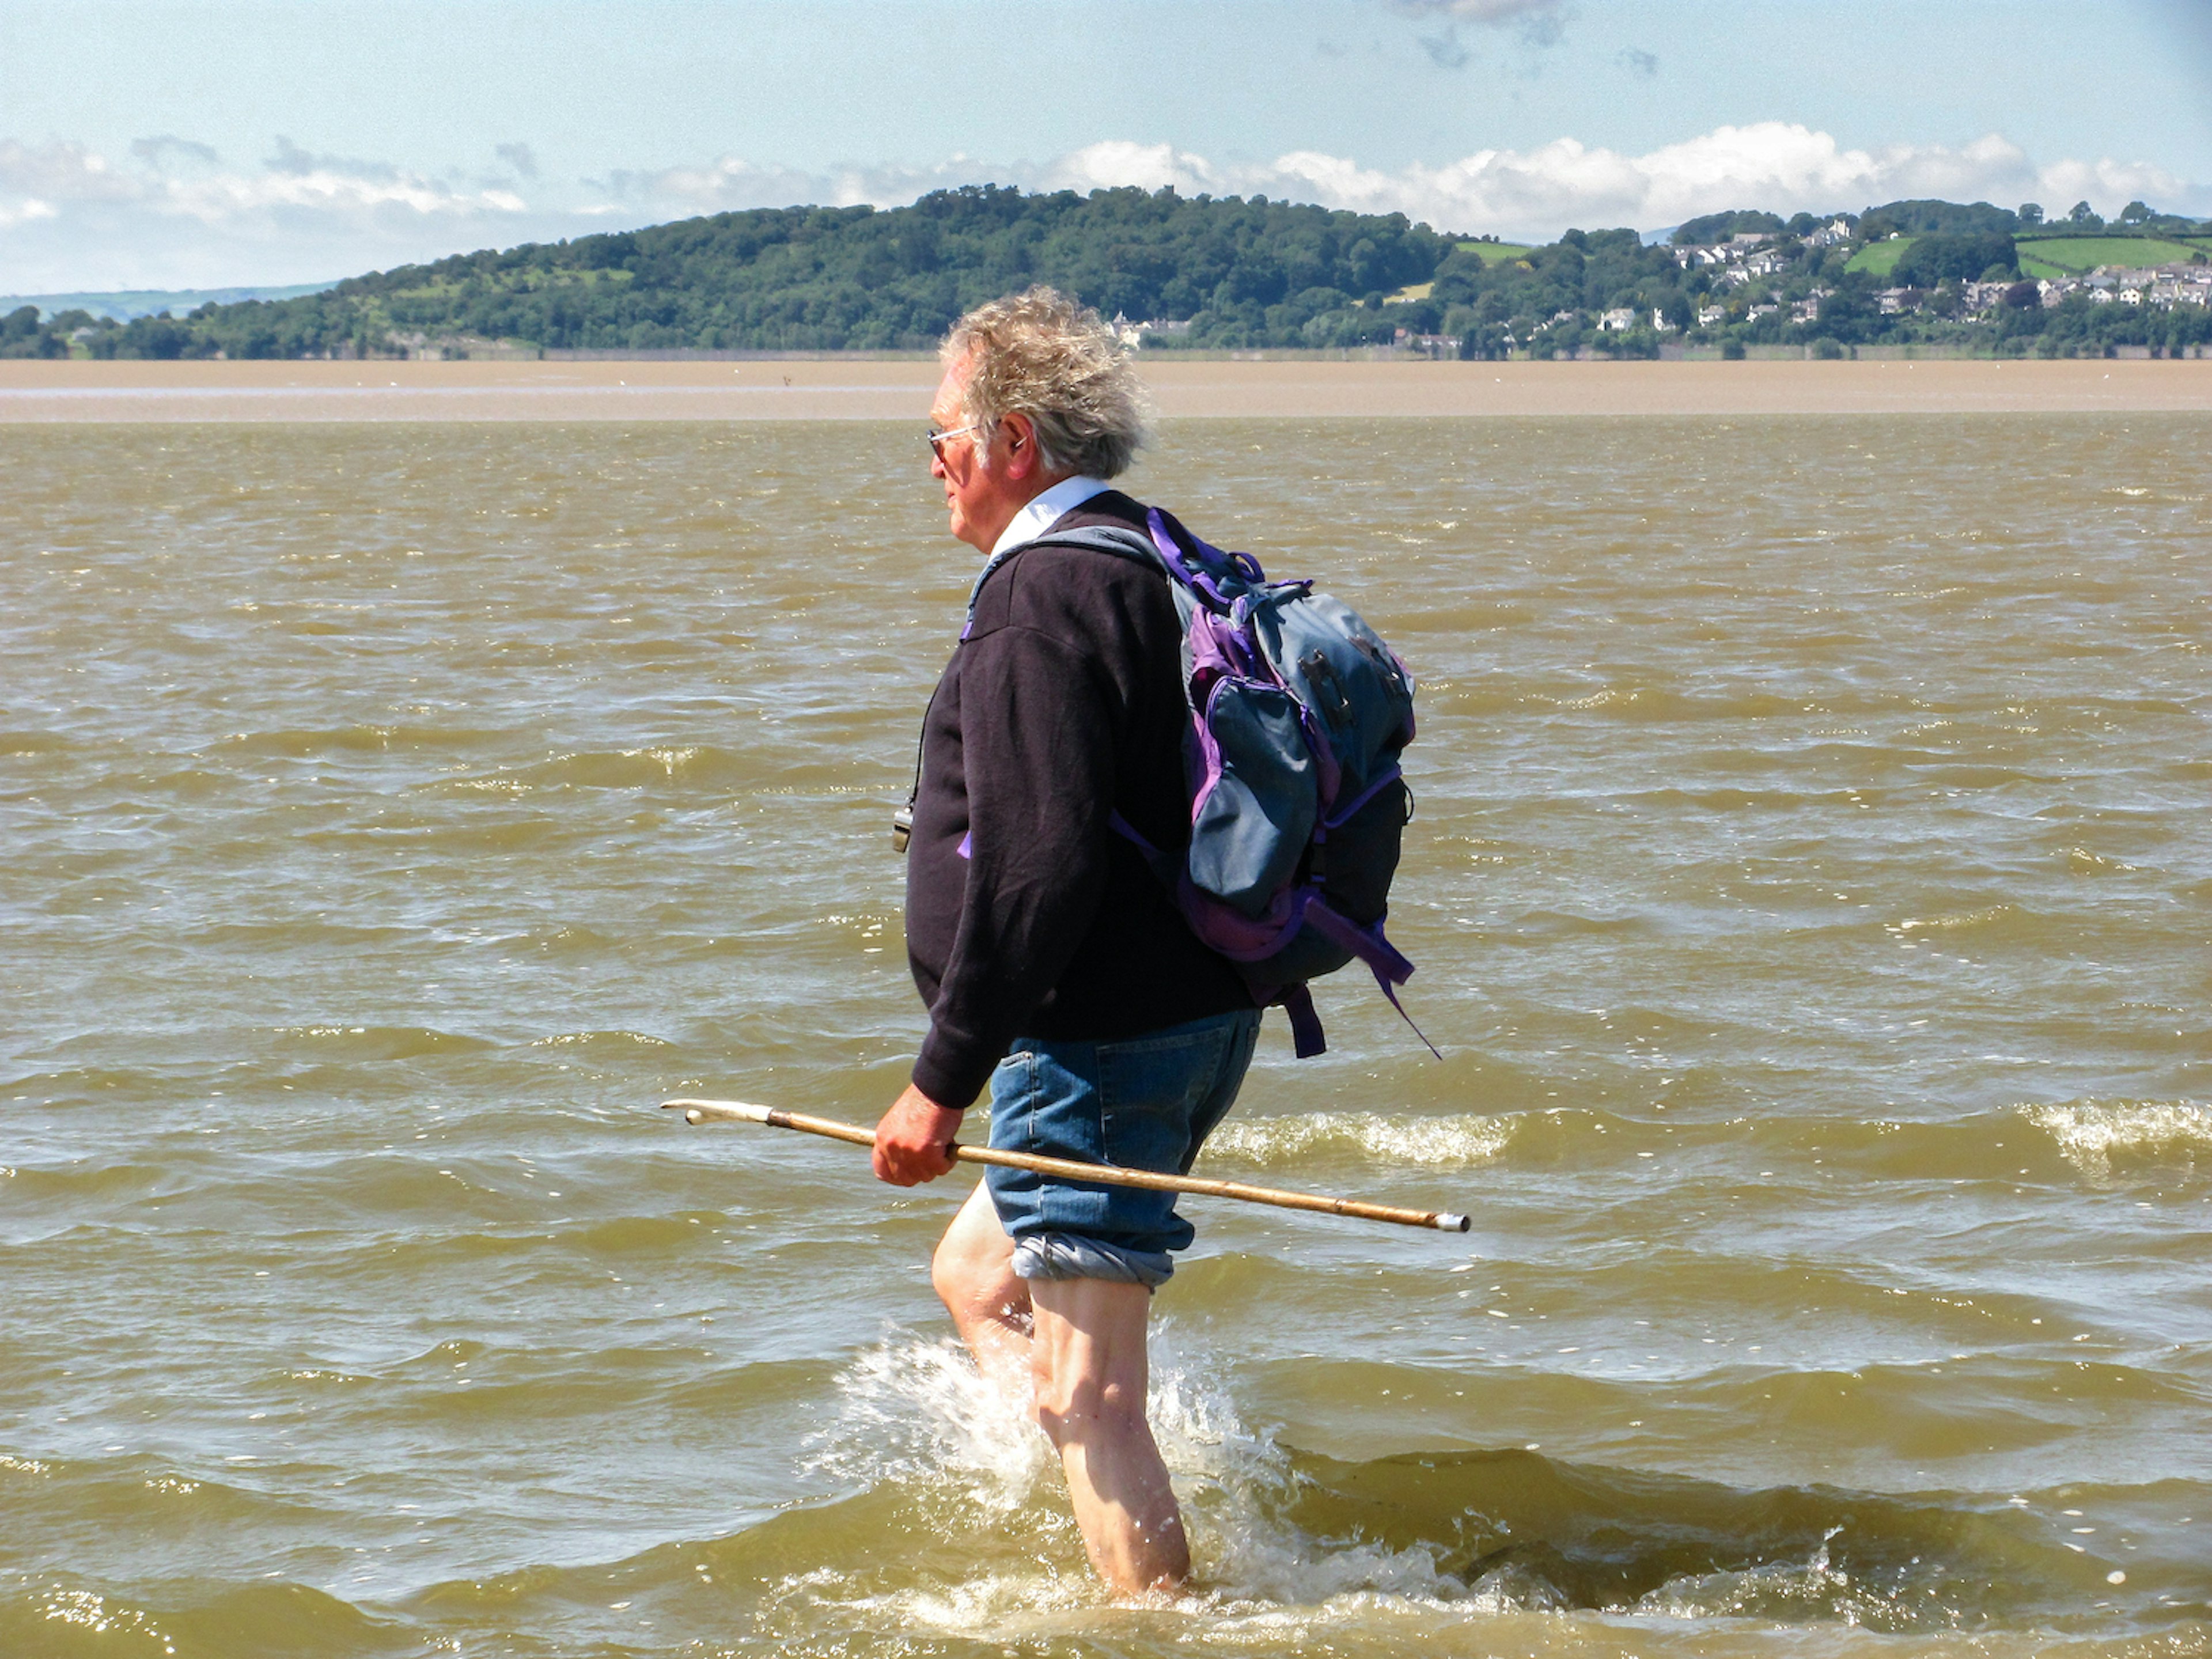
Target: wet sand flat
column 866, row 389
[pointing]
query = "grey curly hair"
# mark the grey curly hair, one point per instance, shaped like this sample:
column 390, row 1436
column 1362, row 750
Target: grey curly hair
column 1038, row 353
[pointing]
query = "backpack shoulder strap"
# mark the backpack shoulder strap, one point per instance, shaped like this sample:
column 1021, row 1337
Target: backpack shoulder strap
column 1125, row 543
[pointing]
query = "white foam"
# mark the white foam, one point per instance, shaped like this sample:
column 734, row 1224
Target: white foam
column 1960, row 919
column 1794, row 1593
column 916, row 1413
column 1437, row 1142
column 2090, row 1132
column 670, row 759
column 919, row 1411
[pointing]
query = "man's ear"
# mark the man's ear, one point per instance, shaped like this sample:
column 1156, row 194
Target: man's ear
column 1020, row 447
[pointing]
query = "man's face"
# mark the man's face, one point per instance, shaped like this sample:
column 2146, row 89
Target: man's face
column 970, row 494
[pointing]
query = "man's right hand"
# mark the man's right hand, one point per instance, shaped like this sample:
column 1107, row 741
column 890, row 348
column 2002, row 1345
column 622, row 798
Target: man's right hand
column 912, row 1141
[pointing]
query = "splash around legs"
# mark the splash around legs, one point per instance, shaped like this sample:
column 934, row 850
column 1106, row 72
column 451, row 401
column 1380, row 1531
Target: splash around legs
column 972, row 1274
column 1074, row 1351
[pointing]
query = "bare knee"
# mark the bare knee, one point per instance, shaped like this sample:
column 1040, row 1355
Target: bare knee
column 1075, row 1407
column 960, row 1278
column 977, row 1283
column 953, row 1274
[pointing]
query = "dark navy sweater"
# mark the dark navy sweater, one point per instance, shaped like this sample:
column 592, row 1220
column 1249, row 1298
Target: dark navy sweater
column 1026, row 914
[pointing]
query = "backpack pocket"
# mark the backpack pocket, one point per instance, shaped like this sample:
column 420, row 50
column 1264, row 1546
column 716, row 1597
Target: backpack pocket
column 1357, row 861
column 1356, row 691
column 1254, row 797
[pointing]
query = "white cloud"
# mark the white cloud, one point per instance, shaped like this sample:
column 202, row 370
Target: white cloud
column 2102, row 184
column 1117, row 163
column 175, row 215
column 1535, row 192
column 64, row 171
column 731, row 182
column 1538, row 192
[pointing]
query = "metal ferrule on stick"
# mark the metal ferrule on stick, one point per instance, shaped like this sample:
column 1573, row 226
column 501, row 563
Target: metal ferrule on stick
column 1101, row 1175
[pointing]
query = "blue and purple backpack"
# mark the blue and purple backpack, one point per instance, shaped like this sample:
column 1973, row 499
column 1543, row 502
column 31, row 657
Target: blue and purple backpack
column 1297, row 715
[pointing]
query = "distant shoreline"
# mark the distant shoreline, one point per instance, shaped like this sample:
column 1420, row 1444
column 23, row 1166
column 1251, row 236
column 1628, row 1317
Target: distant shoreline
column 34, row 391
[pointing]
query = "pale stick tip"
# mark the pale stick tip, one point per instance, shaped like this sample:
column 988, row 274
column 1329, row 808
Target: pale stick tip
column 717, row 1111
column 1449, row 1223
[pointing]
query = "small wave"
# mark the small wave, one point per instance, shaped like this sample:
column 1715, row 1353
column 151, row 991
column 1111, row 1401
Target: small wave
column 1436, row 1142
column 60, row 1613
column 33, row 743
column 1656, row 704
column 61, row 1618
column 600, row 1039
column 1779, row 1591
column 920, row 1412
column 2092, row 1133
column 1981, row 918
column 697, row 764
column 1277, row 1532
column 299, row 743
column 382, row 1042
column 2083, row 862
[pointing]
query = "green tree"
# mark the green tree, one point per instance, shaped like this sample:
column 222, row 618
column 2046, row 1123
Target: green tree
column 1938, row 258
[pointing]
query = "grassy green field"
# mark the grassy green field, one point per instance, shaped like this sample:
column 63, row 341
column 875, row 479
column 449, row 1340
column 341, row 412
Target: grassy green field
column 1498, row 253
column 2071, row 255
column 1879, row 258
column 2050, row 256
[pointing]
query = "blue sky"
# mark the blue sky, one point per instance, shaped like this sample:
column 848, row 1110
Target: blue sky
column 170, row 145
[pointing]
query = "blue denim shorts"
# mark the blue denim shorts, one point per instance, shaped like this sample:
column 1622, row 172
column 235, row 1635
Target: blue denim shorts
column 1144, row 1102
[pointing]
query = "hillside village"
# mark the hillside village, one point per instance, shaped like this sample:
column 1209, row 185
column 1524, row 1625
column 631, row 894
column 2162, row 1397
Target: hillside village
column 1750, row 255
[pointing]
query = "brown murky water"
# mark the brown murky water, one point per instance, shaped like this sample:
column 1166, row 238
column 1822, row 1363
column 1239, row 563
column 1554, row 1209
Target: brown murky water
column 1811, row 893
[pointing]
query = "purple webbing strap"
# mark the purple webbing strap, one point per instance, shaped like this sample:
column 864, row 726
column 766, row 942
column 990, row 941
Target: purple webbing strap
column 1121, row 827
column 1336, row 818
column 1384, row 960
column 1365, row 943
column 1390, row 991
column 1305, row 1024
column 1194, row 571
column 1166, row 867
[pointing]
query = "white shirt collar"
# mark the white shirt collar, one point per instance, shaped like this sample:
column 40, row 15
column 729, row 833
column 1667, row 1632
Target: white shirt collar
column 1045, row 509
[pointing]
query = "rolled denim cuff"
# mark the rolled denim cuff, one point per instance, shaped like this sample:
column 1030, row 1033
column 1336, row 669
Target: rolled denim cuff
column 1068, row 1256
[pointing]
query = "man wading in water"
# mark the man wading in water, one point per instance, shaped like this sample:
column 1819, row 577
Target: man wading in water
column 1056, row 967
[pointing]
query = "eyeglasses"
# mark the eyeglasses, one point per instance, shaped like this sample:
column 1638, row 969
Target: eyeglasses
column 937, row 439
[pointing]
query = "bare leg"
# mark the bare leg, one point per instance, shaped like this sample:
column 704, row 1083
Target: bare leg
column 1092, row 1377
column 973, row 1273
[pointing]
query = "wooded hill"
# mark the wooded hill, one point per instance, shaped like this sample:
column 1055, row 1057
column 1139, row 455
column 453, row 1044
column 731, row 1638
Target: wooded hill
column 1229, row 273
column 801, row 279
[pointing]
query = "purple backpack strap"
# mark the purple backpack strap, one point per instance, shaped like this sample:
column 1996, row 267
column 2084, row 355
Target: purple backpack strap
column 1305, row 1024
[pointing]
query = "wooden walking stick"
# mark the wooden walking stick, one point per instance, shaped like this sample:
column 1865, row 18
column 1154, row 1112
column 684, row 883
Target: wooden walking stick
column 1104, row 1175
